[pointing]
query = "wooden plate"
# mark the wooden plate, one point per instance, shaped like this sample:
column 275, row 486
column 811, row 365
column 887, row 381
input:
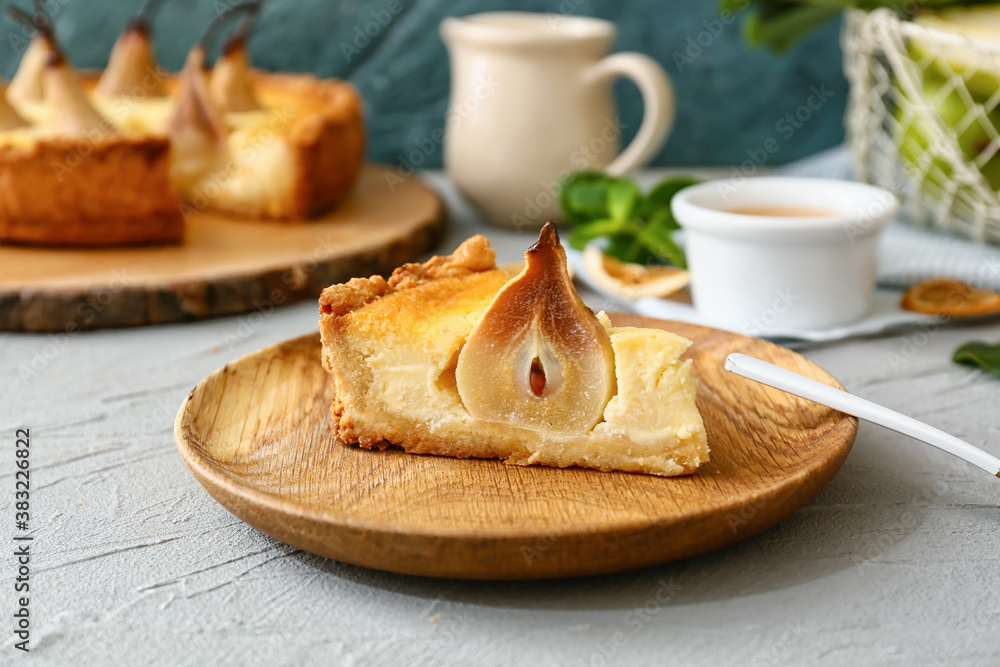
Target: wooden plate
column 255, row 435
column 225, row 266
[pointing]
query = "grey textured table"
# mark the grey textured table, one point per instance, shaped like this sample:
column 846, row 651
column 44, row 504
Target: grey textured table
column 896, row 562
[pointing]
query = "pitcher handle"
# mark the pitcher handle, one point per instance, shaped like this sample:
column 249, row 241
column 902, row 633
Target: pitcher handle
column 658, row 106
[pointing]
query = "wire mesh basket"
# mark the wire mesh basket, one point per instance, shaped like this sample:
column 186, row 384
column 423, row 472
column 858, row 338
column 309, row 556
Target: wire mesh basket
column 923, row 120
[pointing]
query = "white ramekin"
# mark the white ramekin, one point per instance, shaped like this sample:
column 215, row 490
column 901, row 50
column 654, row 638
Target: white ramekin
column 753, row 274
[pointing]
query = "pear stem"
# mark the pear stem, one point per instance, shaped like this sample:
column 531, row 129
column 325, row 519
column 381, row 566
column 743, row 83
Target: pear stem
column 548, row 237
column 242, row 33
column 213, row 27
column 43, row 28
column 144, row 18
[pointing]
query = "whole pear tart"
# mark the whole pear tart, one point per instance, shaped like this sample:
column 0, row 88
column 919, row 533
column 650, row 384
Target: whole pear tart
column 454, row 357
column 118, row 158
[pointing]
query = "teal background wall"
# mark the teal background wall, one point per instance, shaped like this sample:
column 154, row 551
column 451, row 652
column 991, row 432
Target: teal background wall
column 731, row 99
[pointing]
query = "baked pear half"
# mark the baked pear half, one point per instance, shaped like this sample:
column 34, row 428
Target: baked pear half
column 455, row 357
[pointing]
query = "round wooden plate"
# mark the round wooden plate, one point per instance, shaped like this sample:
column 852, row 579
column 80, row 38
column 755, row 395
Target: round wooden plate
column 255, row 435
column 225, row 266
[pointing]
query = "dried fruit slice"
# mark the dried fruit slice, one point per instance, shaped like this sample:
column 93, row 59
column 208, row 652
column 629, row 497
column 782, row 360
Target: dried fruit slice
column 633, row 281
column 538, row 358
column 946, row 296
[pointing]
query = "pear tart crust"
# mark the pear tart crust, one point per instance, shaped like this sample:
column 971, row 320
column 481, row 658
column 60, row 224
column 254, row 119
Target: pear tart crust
column 392, row 348
column 118, row 194
column 328, row 143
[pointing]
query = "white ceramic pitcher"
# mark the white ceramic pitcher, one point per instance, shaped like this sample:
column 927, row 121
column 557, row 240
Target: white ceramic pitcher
column 531, row 102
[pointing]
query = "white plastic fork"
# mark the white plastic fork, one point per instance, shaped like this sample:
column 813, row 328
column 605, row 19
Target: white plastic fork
column 809, row 389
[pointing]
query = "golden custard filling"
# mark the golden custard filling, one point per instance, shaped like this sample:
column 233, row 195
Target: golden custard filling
column 454, row 357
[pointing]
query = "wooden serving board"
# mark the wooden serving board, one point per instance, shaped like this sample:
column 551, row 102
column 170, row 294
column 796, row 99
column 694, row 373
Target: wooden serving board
column 225, row 266
column 255, row 435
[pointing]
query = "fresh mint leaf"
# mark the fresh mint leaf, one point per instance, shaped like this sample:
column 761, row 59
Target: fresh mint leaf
column 639, row 229
column 583, row 196
column 584, row 233
column 982, row 355
column 663, row 220
column 780, row 24
column 664, row 247
column 622, row 197
column 659, row 198
column 625, row 248
column 780, row 30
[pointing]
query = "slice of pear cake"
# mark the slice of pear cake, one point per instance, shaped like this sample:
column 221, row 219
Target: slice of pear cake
column 453, row 357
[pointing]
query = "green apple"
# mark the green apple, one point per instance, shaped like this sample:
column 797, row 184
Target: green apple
column 967, row 122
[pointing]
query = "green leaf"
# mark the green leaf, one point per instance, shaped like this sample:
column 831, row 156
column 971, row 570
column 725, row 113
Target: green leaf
column 584, row 233
column 664, row 219
column 782, row 31
column 583, row 196
column 657, row 203
column 639, row 229
column 625, row 248
column 664, row 247
column 982, row 355
column 622, row 197
column 663, row 192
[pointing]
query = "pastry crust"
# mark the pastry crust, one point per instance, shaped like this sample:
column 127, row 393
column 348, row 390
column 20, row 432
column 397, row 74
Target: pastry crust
column 295, row 159
column 391, row 347
column 328, row 140
column 65, row 192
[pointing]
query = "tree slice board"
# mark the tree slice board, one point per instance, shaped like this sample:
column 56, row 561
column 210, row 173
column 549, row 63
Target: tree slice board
column 255, row 435
column 226, row 265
